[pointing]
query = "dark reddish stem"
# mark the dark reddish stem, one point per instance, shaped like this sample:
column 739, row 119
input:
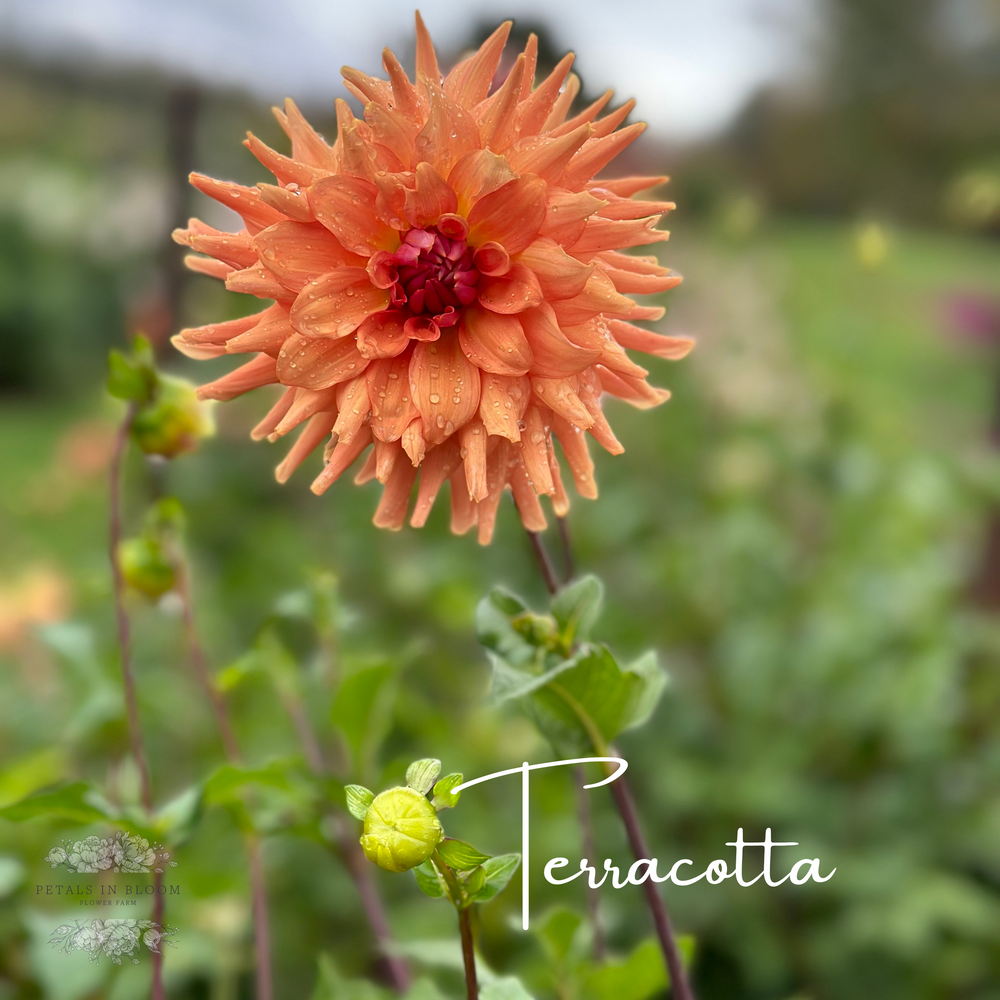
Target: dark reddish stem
column 261, row 919
column 590, row 852
column 544, row 562
column 468, row 953
column 358, row 867
column 125, row 653
column 679, row 985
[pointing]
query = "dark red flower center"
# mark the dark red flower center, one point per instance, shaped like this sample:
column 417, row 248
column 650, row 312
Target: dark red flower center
column 434, row 276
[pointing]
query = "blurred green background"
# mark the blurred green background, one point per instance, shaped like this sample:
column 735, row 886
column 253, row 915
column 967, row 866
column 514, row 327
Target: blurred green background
column 808, row 533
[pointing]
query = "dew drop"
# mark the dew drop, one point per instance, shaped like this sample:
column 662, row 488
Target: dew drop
column 435, row 398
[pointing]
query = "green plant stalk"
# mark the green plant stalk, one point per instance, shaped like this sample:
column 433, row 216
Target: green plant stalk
column 622, row 795
column 258, row 887
column 586, row 821
column 463, row 907
column 348, row 850
column 125, row 654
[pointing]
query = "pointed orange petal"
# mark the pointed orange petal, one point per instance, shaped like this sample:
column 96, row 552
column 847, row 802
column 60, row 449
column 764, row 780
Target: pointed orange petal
column 413, row 441
column 354, row 408
column 626, row 208
column 296, row 252
column 574, row 446
column 637, row 339
column 427, row 64
column 472, row 438
column 403, row 93
column 243, row 200
column 535, row 449
column 382, row 335
column 213, row 269
column 559, row 275
column 587, row 115
column 590, row 395
column 608, row 234
column 566, row 215
column 606, row 125
column 431, row 199
column 493, row 342
column 236, row 249
column 598, row 296
column 513, row 292
column 540, row 104
column 395, row 501
column 370, row 88
column 554, row 356
column 312, row 435
column 284, row 168
column 560, row 396
column 386, row 453
column 274, row 415
column 628, row 282
column 336, row 304
column 291, row 202
column 497, row 471
column 252, row 375
column 444, row 385
column 317, row 363
column 346, row 206
column 434, row 470
column 464, row 510
column 259, row 281
column 449, row 134
column 560, row 501
column 307, row 144
column 478, row 174
column 502, row 404
column 496, row 117
column 525, row 499
column 596, row 154
column 557, row 117
column 547, row 156
column 511, row 215
column 308, row 403
column 625, row 187
column 341, row 459
column 478, row 72
column 595, row 333
column 267, row 336
column 389, row 393
column 216, row 334
column 635, row 391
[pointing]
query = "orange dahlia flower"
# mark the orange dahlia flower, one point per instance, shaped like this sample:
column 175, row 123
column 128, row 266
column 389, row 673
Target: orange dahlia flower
column 448, row 286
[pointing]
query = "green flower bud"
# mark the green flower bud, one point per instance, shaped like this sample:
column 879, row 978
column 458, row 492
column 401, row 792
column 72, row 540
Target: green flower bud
column 401, row 830
column 173, row 421
column 145, row 566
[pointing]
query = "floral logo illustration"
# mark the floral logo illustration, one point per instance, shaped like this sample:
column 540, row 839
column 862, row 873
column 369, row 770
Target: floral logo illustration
column 114, row 939
column 124, row 852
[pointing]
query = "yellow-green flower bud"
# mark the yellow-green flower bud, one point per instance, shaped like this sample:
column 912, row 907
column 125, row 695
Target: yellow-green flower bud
column 173, row 421
column 145, row 567
column 401, row 830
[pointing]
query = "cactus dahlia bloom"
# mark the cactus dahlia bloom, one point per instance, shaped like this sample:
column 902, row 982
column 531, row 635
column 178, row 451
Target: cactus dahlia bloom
column 448, row 283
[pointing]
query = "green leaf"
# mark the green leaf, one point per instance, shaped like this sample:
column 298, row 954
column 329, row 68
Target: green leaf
column 495, row 631
column 176, row 820
column 30, row 774
column 512, row 682
column 592, row 702
column 642, row 975
column 654, row 679
column 577, row 607
column 429, row 881
column 498, row 871
column 444, row 797
column 421, row 774
column 77, row 802
column 331, row 985
column 459, row 855
column 359, row 799
column 227, row 782
column 475, row 882
column 129, row 380
column 507, row 988
column 363, row 709
column 556, row 931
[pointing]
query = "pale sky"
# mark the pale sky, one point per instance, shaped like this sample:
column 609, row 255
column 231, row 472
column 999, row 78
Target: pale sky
column 691, row 64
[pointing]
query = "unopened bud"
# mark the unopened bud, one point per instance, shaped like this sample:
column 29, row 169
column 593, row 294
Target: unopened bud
column 145, row 567
column 173, row 421
column 401, row 830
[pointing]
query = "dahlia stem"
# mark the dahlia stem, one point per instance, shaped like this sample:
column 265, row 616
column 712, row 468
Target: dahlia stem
column 680, row 988
column 586, row 821
column 121, row 615
column 258, row 886
column 679, row 985
column 468, row 953
column 125, row 654
column 350, row 854
column 543, row 560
